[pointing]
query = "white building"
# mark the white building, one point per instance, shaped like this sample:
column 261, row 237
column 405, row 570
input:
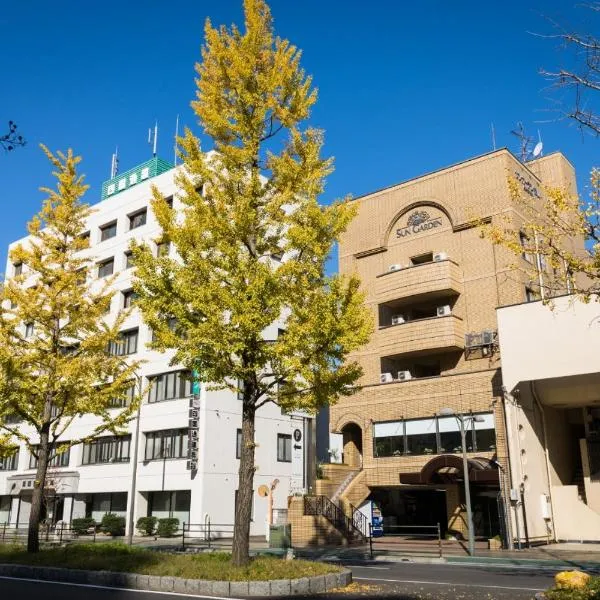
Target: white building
column 551, row 374
column 94, row 480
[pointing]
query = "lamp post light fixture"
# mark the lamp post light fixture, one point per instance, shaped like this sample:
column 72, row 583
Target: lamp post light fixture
column 462, row 419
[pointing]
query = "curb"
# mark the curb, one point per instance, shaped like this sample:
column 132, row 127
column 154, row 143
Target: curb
column 203, row 587
column 528, row 562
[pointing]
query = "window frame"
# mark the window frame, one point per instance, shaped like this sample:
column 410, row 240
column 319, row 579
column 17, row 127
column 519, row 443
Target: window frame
column 125, row 336
column 55, row 460
column 115, row 448
column 281, row 456
column 156, row 441
column 180, row 386
column 133, row 224
column 103, row 263
column 107, row 227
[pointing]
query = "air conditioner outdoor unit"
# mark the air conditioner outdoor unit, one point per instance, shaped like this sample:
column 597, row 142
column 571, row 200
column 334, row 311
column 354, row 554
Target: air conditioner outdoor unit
column 397, row 320
column 404, row 375
column 487, row 337
column 394, row 267
column 439, row 256
column 386, row 377
column 442, row 311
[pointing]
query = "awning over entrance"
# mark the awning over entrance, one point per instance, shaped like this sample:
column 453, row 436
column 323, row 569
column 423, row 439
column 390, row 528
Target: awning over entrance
column 448, row 468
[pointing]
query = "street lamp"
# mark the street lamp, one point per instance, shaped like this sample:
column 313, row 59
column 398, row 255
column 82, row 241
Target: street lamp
column 462, row 419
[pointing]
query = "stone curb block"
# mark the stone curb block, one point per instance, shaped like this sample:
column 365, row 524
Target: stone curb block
column 224, row 589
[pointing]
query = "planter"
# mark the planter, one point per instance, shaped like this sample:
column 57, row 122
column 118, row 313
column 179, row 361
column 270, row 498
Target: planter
column 494, row 544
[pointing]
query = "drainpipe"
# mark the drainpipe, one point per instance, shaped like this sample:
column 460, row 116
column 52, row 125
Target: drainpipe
column 507, row 473
column 547, row 457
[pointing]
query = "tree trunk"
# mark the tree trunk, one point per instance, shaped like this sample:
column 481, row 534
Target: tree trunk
column 243, row 504
column 33, row 535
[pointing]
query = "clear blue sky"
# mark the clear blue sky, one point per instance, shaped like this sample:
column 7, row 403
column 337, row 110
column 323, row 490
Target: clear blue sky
column 404, row 88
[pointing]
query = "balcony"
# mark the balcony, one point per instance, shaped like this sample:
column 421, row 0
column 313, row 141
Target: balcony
column 426, row 281
column 422, row 336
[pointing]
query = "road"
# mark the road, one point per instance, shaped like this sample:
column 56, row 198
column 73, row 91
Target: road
column 387, row 581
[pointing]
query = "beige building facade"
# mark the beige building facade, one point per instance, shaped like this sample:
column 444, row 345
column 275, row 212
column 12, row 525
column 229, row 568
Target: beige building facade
column 433, row 284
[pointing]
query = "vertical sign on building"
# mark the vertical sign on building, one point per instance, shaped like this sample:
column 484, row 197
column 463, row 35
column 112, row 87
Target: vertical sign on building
column 193, row 422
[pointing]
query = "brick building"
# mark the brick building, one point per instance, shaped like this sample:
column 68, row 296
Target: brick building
column 433, row 284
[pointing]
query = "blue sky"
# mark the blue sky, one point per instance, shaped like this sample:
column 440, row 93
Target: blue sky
column 404, row 88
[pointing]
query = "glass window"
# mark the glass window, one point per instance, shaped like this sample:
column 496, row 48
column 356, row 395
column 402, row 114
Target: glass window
column 97, row 505
column 5, row 502
column 389, row 438
column 110, row 449
column 531, row 295
column 85, row 238
column 485, row 433
column 169, row 443
column 450, row 440
column 238, row 443
column 170, row 386
column 175, row 505
column 126, row 400
column 9, row 463
column 284, row 447
column 421, row 436
column 18, row 269
column 137, row 219
column 128, row 259
column 127, row 344
column 108, row 231
column 106, row 268
column 28, row 330
column 56, row 460
column 162, row 248
column 129, row 297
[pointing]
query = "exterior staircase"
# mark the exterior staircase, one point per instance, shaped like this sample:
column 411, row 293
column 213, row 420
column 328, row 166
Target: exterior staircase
column 322, row 506
column 335, row 498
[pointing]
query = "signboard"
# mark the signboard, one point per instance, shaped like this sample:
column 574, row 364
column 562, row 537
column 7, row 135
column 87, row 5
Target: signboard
column 297, row 480
column 376, row 520
column 418, row 222
column 193, row 432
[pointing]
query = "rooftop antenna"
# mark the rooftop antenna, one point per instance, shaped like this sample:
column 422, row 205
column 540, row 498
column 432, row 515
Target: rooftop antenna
column 539, row 147
column 114, row 163
column 153, row 138
column 525, row 142
column 493, row 137
column 175, row 143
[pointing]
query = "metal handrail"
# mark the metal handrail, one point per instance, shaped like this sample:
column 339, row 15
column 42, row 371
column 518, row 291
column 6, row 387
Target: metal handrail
column 359, row 520
column 323, row 506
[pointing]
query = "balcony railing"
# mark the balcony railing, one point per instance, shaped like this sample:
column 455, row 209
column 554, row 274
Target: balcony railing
column 430, row 335
column 428, row 280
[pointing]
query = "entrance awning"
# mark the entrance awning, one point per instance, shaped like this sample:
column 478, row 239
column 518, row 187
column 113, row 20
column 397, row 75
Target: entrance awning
column 448, row 468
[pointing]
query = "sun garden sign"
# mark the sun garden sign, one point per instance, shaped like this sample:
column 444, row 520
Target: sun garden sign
column 417, row 222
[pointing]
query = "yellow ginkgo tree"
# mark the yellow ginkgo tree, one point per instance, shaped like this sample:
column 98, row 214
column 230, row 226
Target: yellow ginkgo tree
column 555, row 238
column 245, row 301
column 55, row 338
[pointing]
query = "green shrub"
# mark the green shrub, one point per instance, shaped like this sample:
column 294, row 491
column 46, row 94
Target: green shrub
column 83, row 525
column 167, row 527
column 147, row 525
column 113, row 524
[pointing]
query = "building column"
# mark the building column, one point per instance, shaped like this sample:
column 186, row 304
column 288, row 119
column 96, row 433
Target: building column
column 14, row 509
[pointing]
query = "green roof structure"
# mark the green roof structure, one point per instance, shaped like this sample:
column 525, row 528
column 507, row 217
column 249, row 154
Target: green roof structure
column 123, row 181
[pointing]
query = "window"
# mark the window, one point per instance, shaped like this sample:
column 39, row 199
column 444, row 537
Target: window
column 165, row 505
column 128, row 259
column 422, row 259
column 126, row 345
column 129, row 297
column 162, row 248
column 81, row 275
column 169, row 386
column 277, row 256
column 18, row 269
column 85, row 238
column 107, row 450
column 169, row 201
column 238, row 443
column 126, row 399
column 97, row 505
column 106, row 268
column 56, row 460
column 169, row 443
column 171, row 324
column 28, row 330
column 425, row 370
column 9, row 463
column 524, row 241
column 436, row 435
column 108, row 231
column 531, row 295
column 284, row 447
column 137, row 219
